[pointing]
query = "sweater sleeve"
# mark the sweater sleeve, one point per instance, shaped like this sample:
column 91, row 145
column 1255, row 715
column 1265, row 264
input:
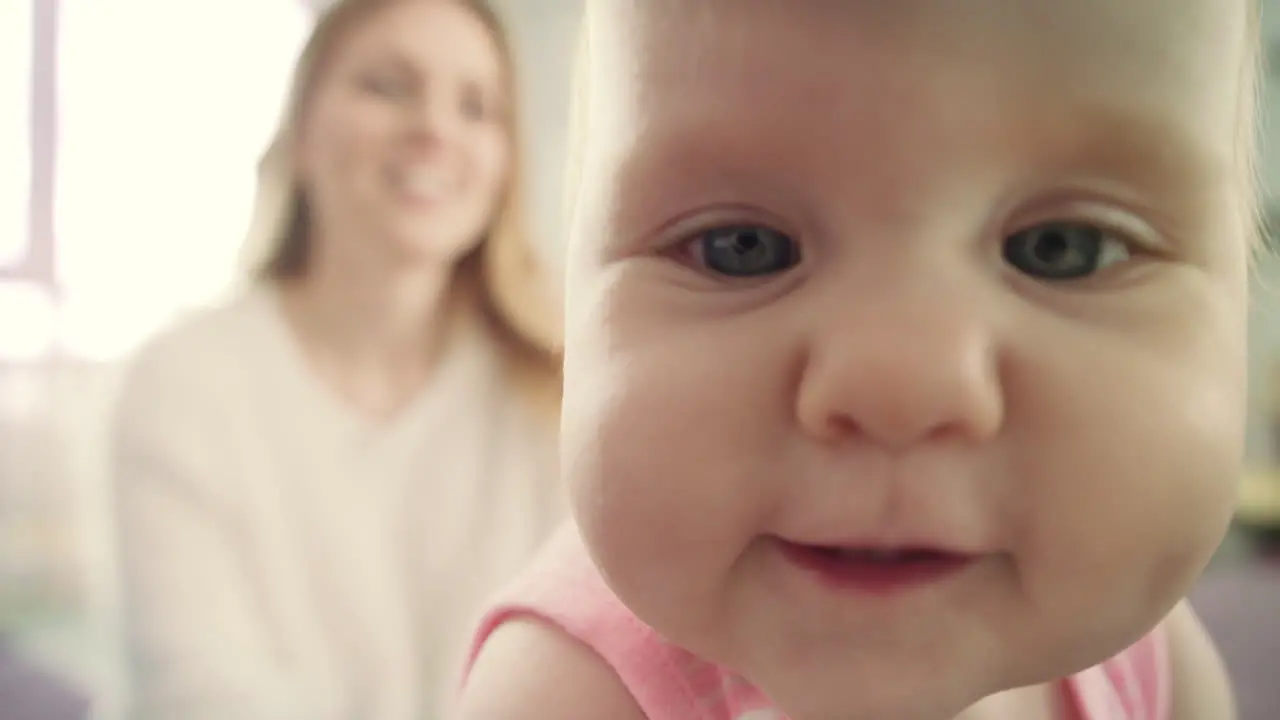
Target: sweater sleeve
column 197, row 642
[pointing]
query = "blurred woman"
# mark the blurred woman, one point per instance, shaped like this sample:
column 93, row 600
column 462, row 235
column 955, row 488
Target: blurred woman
column 320, row 481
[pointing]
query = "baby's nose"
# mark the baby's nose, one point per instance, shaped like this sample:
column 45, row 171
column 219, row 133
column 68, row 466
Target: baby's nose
column 908, row 370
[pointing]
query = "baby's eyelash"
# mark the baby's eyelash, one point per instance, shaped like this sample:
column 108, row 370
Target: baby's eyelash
column 1118, row 223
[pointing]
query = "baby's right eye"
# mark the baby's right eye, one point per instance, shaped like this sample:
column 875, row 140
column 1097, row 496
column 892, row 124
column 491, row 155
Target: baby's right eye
column 745, row 251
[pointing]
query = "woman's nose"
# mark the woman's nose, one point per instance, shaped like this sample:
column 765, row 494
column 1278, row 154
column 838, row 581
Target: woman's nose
column 903, row 370
column 430, row 118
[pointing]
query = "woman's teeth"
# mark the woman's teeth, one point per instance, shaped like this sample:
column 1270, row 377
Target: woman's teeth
column 426, row 186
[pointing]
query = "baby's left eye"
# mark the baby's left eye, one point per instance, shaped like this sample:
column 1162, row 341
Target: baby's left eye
column 1063, row 250
column 746, row 251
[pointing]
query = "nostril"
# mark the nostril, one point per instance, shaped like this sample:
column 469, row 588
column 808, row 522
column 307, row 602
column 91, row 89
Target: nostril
column 842, row 426
column 895, row 401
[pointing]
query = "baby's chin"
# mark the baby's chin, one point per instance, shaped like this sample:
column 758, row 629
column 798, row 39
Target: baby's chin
column 1032, row 660
column 908, row 700
column 909, row 695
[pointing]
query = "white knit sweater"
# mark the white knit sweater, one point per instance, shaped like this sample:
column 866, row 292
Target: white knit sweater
column 284, row 559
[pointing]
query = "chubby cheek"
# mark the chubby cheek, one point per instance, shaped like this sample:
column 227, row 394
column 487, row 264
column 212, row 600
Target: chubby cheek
column 1129, row 462
column 666, row 451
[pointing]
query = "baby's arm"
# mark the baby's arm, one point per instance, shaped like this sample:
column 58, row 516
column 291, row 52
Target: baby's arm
column 1201, row 689
column 528, row 670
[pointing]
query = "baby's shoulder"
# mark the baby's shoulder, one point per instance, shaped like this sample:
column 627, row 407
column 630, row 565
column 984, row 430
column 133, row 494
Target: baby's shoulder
column 537, row 652
column 528, row 669
column 559, row 626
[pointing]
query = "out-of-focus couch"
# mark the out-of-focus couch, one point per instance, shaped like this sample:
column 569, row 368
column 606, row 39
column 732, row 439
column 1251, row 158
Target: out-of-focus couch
column 29, row 693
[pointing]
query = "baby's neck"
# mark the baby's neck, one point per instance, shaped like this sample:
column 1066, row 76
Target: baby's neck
column 1036, row 702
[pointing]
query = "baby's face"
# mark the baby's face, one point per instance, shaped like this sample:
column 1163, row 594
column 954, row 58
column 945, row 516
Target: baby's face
column 960, row 278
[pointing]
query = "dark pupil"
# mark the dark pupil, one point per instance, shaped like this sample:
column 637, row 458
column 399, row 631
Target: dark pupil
column 1052, row 248
column 1055, row 252
column 746, row 244
column 747, row 251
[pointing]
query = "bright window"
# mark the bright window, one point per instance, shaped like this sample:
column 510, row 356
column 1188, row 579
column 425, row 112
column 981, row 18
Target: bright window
column 29, row 320
column 164, row 110
column 15, row 135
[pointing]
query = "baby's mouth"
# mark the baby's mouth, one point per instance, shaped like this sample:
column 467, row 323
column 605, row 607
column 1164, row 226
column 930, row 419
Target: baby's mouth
column 878, row 571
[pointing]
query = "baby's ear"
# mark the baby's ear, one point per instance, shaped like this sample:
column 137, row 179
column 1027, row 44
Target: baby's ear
column 529, row 670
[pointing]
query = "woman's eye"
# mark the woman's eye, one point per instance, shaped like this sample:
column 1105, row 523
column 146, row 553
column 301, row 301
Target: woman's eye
column 1063, row 250
column 746, row 251
column 473, row 107
column 478, row 104
column 386, row 86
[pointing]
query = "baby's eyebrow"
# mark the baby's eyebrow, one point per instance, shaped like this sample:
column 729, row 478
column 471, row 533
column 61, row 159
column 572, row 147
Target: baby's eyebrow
column 1178, row 172
column 1156, row 151
column 664, row 168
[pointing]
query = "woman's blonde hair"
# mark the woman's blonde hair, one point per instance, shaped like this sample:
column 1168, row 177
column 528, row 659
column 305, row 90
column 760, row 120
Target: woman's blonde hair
column 502, row 279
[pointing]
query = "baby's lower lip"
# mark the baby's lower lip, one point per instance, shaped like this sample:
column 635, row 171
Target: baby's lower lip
column 875, row 572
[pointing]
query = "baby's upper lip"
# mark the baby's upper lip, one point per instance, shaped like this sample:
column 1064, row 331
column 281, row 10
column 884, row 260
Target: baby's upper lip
column 888, row 545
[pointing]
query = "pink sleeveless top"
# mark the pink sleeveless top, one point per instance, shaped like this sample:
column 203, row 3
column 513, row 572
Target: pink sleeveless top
column 564, row 590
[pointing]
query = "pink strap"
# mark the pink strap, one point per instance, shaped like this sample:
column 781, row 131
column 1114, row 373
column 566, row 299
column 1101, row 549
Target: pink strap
column 1133, row 685
column 564, row 590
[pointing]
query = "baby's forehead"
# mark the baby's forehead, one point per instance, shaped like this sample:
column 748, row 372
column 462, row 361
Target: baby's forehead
column 786, row 71
column 1136, row 42
column 1180, row 22
column 696, row 102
